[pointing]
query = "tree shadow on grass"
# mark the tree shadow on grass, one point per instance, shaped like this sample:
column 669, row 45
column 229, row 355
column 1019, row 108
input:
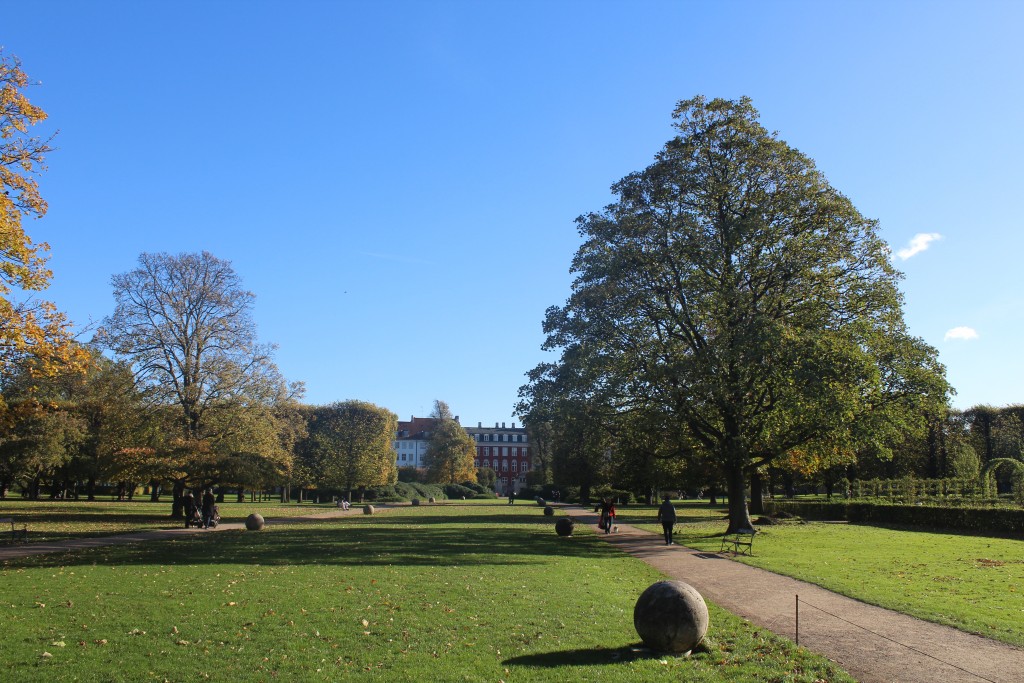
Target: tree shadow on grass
column 479, row 540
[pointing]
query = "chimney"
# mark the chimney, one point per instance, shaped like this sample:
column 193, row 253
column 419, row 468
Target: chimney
column 502, row 425
column 479, row 425
column 513, row 425
column 495, row 425
column 456, row 419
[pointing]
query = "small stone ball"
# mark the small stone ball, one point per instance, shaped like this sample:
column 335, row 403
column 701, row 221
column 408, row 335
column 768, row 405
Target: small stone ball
column 549, row 511
column 368, row 510
column 671, row 616
column 541, row 501
column 415, row 501
column 563, row 527
column 254, row 522
column 431, row 500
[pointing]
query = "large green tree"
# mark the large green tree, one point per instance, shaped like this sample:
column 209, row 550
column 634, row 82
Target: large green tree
column 351, row 445
column 732, row 286
column 450, row 450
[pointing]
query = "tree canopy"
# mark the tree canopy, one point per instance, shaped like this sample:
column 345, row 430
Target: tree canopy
column 732, row 288
column 450, row 451
column 29, row 327
column 350, row 442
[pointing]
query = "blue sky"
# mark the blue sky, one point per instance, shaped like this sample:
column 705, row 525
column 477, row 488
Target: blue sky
column 397, row 181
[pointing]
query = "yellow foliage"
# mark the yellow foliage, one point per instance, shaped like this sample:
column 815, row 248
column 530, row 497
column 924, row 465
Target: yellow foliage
column 30, row 328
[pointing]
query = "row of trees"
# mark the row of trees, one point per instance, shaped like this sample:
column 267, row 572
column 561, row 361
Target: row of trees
column 191, row 398
column 175, row 388
column 732, row 313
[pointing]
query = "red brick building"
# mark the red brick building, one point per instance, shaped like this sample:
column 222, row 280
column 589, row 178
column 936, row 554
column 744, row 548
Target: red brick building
column 505, row 450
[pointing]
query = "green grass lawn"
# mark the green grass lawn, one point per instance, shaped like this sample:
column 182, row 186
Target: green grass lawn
column 452, row 593
column 61, row 520
column 974, row 583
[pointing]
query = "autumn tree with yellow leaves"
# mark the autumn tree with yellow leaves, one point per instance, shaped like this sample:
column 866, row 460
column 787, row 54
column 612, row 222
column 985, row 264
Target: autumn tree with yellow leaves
column 29, row 327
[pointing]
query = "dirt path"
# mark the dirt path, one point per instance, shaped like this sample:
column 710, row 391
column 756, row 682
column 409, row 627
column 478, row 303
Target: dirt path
column 875, row 645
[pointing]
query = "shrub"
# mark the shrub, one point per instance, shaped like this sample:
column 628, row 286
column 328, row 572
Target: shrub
column 458, row 491
column 962, row 518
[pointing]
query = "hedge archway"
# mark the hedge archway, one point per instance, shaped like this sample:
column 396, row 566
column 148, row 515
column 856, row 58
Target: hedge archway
column 1016, row 467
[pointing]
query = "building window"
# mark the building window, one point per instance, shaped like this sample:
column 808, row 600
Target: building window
column 515, row 452
column 487, row 450
column 494, row 465
column 504, row 465
column 476, row 463
column 515, row 465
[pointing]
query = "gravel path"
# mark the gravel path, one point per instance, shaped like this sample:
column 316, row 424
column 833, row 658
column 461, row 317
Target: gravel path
column 875, row 645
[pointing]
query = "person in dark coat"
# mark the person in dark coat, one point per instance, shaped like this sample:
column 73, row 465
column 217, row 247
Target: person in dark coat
column 209, row 502
column 190, row 509
column 667, row 517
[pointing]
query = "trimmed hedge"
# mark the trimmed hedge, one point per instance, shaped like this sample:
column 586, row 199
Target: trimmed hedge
column 998, row 520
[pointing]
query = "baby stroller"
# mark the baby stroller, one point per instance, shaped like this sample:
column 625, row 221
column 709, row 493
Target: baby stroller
column 193, row 518
column 214, row 518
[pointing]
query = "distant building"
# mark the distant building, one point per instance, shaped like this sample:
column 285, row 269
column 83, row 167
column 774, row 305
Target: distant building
column 505, row 450
column 411, row 441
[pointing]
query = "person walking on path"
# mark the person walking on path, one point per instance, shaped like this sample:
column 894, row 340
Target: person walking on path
column 191, row 510
column 609, row 520
column 209, row 502
column 602, row 522
column 667, row 517
column 511, row 497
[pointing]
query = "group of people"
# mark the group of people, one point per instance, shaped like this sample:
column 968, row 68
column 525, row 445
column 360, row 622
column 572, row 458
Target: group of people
column 202, row 513
column 666, row 515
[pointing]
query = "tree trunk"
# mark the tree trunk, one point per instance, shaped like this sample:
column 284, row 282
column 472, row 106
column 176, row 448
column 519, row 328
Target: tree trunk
column 241, row 495
column 178, row 500
column 739, row 517
column 154, row 491
column 90, row 488
column 756, row 493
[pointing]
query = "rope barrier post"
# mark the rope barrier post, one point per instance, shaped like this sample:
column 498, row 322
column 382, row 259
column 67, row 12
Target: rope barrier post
column 798, row 620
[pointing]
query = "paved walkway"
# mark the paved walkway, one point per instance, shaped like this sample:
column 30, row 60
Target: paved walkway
column 875, row 645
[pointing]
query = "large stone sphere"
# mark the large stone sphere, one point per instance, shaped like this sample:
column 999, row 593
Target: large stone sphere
column 254, row 522
column 549, row 511
column 415, row 501
column 563, row 527
column 431, row 500
column 540, row 501
column 671, row 616
column 368, row 510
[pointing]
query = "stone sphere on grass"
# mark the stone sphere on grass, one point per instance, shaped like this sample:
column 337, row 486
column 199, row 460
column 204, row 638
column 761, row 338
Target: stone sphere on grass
column 541, row 501
column 671, row 616
column 563, row 527
column 254, row 522
column 368, row 510
column 431, row 500
column 415, row 501
column 549, row 511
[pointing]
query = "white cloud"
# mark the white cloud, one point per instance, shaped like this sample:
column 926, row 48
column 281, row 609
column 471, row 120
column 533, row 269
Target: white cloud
column 961, row 333
column 918, row 244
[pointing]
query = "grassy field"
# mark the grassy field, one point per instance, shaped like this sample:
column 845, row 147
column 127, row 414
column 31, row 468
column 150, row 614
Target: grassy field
column 60, row 520
column 974, row 583
column 452, row 593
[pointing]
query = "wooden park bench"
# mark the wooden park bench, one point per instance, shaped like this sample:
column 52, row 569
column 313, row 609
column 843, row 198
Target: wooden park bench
column 17, row 534
column 737, row 540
